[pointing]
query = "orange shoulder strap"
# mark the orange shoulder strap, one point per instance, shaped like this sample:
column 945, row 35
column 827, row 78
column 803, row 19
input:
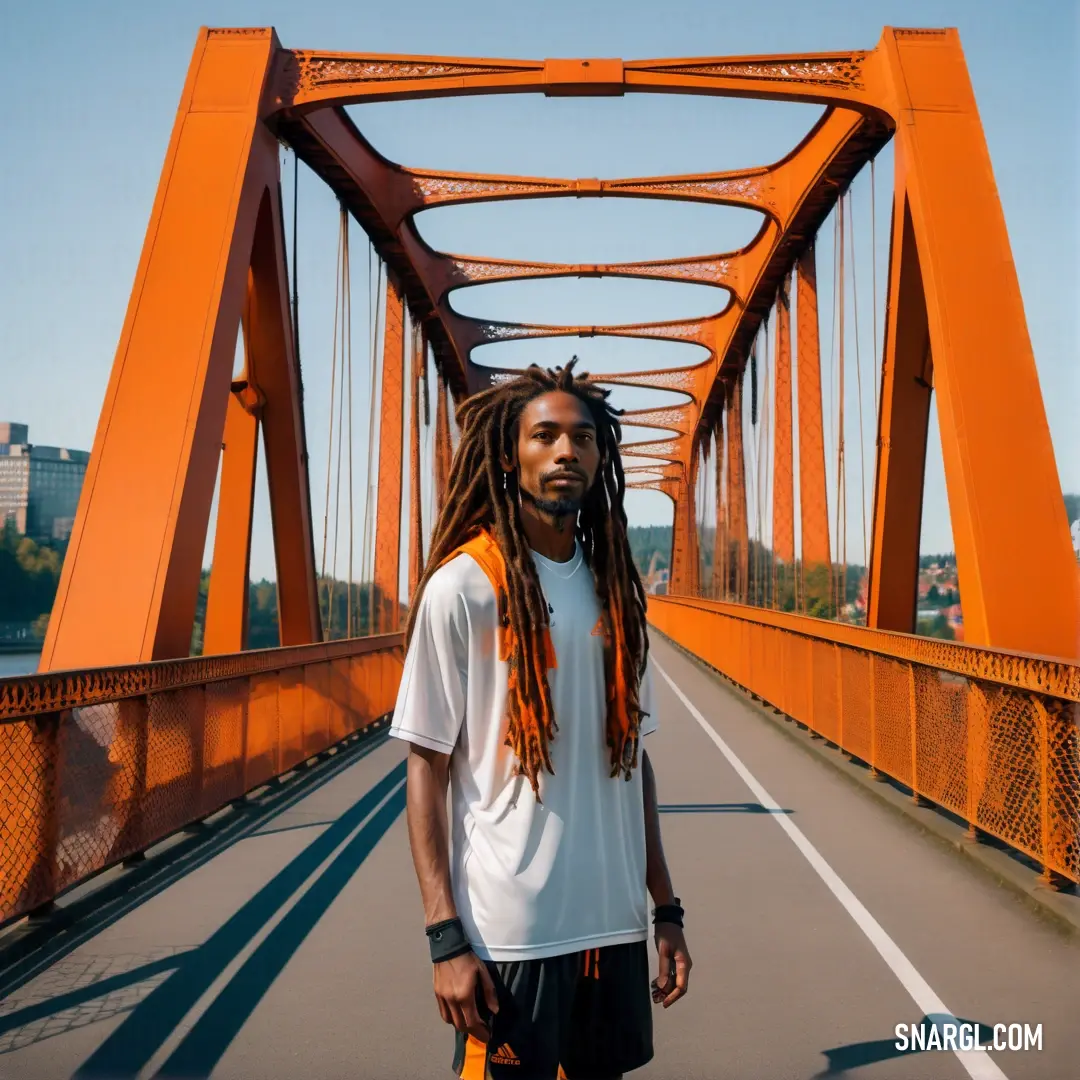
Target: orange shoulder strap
column 485, row 551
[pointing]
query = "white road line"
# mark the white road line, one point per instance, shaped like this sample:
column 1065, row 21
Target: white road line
column 978, row 1063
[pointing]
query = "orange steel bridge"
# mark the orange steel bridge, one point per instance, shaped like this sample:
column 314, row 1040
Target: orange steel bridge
column 123, row 738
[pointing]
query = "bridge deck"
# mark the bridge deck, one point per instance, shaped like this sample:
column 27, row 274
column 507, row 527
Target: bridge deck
column 291, row 945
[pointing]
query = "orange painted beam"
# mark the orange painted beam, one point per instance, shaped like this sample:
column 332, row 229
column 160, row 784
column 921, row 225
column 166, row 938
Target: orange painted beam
column 694, row 560
column 312, row 79
column 783, row 457
column 391, row 431
column 448, row 273
column 675, row 418
column 1003, row 484
column 756, row 188
column 227, row 600
column 276, row 371
column 443, row 454
column 155, row 455
column 684, row 576
column 816, row 586
column 738, row 522
column 906, row 383
column 416, row 517
column 719, row 585
column 680, row 539
column 475, row 332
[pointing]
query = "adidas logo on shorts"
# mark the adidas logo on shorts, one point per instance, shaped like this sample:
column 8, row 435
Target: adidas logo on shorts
column 505, row 1056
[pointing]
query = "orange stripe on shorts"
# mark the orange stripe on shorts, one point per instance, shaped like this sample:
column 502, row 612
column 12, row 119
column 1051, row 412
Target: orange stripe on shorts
column 475, row 1067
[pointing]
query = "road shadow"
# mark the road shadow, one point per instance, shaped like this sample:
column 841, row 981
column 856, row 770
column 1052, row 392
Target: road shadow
column 70, row 925
column 844, row 1059
column 719, row 808
column 127, row 1050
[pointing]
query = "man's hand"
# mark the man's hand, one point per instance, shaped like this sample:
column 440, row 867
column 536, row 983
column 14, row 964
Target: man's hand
column 674, row 962
column 456, row 983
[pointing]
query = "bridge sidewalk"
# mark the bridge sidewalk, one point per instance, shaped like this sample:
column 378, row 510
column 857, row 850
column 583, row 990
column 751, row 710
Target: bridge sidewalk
column 296, row 950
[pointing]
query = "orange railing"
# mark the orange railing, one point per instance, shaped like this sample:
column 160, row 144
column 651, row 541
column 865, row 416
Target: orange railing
column 98, row 765
column 992, row 736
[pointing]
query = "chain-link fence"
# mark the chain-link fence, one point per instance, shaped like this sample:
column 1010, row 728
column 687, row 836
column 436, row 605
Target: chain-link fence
column 992, row 736
column 98, row 765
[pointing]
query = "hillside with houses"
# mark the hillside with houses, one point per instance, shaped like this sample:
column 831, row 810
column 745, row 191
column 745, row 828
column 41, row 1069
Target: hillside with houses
column 939, row 612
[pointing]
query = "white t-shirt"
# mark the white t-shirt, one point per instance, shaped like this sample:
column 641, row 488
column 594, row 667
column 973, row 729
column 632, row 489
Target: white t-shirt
column 529, row 880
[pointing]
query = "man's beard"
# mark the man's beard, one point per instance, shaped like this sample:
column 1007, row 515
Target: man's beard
column 564, row 506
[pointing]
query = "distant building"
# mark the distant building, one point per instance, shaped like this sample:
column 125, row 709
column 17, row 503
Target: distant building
column 1076, row 537
column 955, row 618
column 39, row 485
column 658, row 582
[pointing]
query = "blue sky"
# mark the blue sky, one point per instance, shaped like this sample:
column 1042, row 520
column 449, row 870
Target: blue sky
column 95, row 89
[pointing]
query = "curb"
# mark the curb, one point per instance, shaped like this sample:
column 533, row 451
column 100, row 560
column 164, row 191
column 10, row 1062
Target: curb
column 1009, row 868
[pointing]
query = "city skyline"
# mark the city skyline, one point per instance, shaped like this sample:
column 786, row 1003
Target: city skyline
column 78, row 254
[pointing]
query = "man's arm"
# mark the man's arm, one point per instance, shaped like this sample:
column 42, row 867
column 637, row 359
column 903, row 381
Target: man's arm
column 456, row 980
column 428, row 774
column 673, row 978
column 657, row 876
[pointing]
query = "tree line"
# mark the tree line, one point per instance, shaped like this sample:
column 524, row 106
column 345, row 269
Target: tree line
column 335, row 602
column 30, row 574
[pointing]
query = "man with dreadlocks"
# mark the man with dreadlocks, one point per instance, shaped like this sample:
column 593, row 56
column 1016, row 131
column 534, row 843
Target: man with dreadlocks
column 526, row 692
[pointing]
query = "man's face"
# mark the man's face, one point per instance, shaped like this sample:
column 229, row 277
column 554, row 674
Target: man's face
column 557, row 452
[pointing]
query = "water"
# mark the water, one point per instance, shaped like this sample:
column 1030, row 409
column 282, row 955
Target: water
column 18, row 663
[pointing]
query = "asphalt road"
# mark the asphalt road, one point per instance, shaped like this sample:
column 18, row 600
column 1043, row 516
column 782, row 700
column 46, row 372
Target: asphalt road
column 818, row 921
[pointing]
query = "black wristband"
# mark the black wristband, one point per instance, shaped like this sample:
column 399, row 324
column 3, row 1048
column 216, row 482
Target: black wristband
column 446, row 940
column 669, row 913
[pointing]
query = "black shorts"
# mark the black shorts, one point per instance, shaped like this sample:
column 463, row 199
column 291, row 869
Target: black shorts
column 583, row 1016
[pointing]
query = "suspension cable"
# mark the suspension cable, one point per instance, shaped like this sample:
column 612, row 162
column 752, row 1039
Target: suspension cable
column 426, row 474
column 707, row 533
column 768, row 460
column 706, row 542
column 373, row 333
column 369, row 510
column 341, row 408
column 763, row 460
column 749, row 463
column 374, row 420
column 347, row 347
column 330, row 444
column 770, row 453
column 832, row 372
column 858, row 375
column 764, row 467
column 295, row 261
column 841, row 465
column 714, row 511
column 759, row 554
column 696, row 452
column 873, row 286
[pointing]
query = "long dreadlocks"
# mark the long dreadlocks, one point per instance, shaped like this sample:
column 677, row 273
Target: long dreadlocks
column 482, row 495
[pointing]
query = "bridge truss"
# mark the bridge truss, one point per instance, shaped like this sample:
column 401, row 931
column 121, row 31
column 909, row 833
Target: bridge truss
column 214, row 261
